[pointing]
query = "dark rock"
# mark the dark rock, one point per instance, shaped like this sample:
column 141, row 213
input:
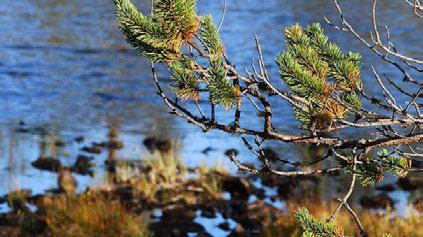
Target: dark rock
column 163, row 145
column 153, row 144
column 79, row 139
column 178, row 212
column 111, row 144
column 377, row 202
column 149, row 143
column 208, row 213
column 47, row 163
column 224, row 226
column 177, row 220
column 239, row 188
column 177, row 228
column 59, row 144
column 411, row 183
column 83, row 165
column 92, row 149
column 231, row 152
column 386, row 188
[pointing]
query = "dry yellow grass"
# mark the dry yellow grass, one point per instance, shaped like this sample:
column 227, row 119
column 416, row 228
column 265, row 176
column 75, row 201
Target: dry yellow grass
column 91, row 215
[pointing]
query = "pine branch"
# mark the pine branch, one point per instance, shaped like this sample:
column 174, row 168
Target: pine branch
column 351, row 98
column 367, row 172
column 185, row 84
column 210, row 36
column 146, row 34
column 345, row 69
column 179, row 16
column 397, row 165
column 314, row 227
column 160, row 38
column 222, row 91
column 371, row 171
column 301, row 81
column 317, row 71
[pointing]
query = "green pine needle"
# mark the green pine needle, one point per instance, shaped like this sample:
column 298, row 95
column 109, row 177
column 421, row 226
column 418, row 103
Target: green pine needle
column 179, row 16
column 370, row 171
column 397, row 165
column 185, row 84
column 145, row 33
column 301, row 81
column 222, row 91
column 317, row 70
column 314, row 227
column 210, row 36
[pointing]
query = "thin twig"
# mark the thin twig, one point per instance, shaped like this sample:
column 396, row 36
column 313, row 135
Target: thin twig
column 349, row 192
column 222, row 19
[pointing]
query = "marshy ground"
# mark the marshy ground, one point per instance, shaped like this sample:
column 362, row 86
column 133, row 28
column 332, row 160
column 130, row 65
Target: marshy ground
column 160, row 196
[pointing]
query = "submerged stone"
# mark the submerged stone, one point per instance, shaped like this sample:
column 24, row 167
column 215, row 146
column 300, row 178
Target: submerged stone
column 155, row 144
column 83, row 165
column 79, row 139
column 239, row 188
column 224, row 226
column 47, row 163
column 95, row 149
column 59, row 143
column 386, row 188
column 411, row 182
